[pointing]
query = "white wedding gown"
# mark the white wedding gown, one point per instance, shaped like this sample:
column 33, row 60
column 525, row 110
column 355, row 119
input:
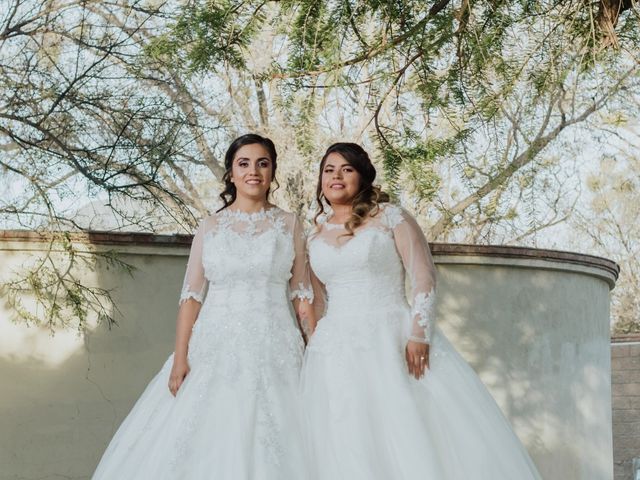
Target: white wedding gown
column 366, row 417
column 237, row 414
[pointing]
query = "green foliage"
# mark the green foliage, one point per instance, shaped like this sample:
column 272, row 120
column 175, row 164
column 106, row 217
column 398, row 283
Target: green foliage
column 420, row 159
column 422, row 163
column 392, row 162
column 459, row 99
column 53, row 292
column 468, row 61
column 626, row 326
column 210, row 33
column 311, row 35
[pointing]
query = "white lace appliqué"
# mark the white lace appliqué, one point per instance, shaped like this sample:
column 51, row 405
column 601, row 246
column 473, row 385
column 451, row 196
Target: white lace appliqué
column 392, row 215
column 302, row 293
column 252, row 223
column 423, row 310
column 245, row 337
column 188, row 293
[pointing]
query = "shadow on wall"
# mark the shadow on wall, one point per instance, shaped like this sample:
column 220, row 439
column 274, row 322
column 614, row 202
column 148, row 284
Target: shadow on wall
column 68, row 392
column 23, row 340
column 537, row 339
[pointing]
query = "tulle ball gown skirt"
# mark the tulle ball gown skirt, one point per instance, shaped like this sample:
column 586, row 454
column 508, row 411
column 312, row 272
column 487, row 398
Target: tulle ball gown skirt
column 367, row 419
column 235, row 417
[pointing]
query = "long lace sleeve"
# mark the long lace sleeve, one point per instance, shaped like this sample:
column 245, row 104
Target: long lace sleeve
column 319, row 297
column 195, row 283
column 300, row 281
column 418, row 264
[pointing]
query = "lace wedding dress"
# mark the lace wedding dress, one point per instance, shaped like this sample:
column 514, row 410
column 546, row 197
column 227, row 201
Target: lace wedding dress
column 366, row 417
column 236, row 416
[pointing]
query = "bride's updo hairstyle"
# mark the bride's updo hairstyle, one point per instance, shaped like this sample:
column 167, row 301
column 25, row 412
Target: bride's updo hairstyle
column 369, row 196
column 228, row 196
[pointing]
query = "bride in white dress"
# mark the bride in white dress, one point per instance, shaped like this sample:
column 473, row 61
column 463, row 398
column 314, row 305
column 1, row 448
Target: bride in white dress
column 226, row 403
column 386, row 395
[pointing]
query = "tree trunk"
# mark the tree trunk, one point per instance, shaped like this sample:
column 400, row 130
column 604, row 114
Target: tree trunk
column 607, row 19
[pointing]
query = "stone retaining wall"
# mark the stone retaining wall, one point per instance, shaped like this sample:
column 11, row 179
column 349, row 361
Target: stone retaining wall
column 625, row 390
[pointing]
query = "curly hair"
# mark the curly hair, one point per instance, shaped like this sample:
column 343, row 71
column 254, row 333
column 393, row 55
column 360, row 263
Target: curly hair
column 229, row 193
column 366, row 202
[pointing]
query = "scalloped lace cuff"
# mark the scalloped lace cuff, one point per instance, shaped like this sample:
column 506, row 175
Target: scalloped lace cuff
column 423, row 312
column 413, row 338
column 187, row 293
column 302, row 293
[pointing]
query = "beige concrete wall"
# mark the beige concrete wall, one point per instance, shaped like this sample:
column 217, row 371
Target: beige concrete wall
column 536, row 332
column 64, row 396
column 625, row 380
column 538, row 335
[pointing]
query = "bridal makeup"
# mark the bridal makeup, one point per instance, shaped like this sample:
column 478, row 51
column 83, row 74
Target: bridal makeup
column 252, row 171
column 340, row 180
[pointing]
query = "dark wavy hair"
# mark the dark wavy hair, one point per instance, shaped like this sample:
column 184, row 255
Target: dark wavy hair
column 229, row 193
column 369, row 196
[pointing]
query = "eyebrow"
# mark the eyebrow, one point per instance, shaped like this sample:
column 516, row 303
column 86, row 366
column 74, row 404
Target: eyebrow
column 257, row 159
column 345, row 164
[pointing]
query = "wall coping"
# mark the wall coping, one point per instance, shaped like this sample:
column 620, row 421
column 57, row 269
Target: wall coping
column 446, row 252
column 101, row 238
column 631, row 338
column 609, row 268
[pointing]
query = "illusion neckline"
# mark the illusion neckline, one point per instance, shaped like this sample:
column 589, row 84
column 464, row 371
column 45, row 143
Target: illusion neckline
column 324, row 220
column 334, row 226
column 261, row 214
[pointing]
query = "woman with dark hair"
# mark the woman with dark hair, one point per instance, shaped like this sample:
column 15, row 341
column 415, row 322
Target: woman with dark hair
column 386, row 395
column 231, row 409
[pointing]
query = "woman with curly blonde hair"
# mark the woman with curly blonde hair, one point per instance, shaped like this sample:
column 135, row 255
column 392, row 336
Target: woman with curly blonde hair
column 386, row 396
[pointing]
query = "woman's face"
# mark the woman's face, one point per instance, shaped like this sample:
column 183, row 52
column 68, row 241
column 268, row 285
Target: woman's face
column 252, row 171
column 340, row 181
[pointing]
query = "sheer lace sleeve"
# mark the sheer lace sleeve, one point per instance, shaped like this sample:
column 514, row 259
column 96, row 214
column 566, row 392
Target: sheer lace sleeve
column 195, row 283
column 319, row 297
column 418, row 263
column 300, row 282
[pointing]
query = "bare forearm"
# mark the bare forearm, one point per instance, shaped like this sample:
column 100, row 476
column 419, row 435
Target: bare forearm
column 187, row 315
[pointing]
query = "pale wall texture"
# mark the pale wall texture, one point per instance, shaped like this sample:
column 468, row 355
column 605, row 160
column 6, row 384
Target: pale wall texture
column 625, row 379
column 535, row 329
column 64, row 396
column 537, row 332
